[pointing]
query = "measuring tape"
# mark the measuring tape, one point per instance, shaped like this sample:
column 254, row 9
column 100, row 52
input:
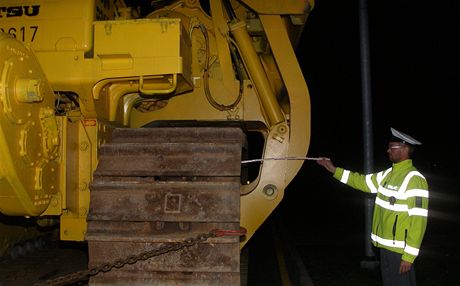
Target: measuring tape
column 285, row 158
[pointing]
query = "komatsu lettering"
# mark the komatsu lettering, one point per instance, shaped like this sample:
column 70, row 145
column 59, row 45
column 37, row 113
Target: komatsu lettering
column 19, row 11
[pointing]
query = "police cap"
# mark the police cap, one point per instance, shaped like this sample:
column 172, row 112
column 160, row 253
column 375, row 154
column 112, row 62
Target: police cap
column 398, row 136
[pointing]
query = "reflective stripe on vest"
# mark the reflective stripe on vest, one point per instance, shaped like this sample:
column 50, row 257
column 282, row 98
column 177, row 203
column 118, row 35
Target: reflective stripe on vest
column 401, row 208
column 411, row 250
column 418, row 211
column 409, row 176
column 345, row 176
column 369, row 184
column 400, row 194
column 388, row 206
column 396, row 244
column 382, row 175
column 403, row 196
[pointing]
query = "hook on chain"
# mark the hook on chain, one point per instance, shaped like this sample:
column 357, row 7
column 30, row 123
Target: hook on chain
column 228, row 232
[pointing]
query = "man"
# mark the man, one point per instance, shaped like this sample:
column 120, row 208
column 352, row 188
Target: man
column 401, row 208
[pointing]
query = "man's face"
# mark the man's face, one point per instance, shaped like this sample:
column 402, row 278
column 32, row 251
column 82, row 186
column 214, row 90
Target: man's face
column 397, row 151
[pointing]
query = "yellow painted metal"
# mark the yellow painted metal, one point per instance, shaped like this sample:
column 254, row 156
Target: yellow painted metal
column 29, row 135
column 27, row 90
column 134, row 72
column 52, row 25
column 73, row 227
column 123, row 52
column 280, row 7
column 57, row 200
column 223, row 61
column 299, row 96
column 257, row 73
column 193, row 105
column 170, row 88
column 81, row 153
column 84, row 137
column 295, row 139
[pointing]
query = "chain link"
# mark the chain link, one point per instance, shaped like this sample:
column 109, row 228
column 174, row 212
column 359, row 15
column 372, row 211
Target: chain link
column 84, row 274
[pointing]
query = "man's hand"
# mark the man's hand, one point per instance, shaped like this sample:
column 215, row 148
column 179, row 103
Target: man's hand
column 326, row 163
column 404, row 267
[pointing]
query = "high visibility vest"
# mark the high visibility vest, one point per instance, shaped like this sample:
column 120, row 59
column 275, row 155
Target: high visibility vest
column 401, row 206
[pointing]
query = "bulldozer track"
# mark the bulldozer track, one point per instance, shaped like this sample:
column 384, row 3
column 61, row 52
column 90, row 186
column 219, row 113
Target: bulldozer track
column 155, row 187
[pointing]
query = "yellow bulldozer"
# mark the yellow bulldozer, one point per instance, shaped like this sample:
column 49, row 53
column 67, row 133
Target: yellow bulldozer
column 135, row 125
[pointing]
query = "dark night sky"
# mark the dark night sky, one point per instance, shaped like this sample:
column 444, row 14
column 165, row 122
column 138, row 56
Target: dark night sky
column 414, row 79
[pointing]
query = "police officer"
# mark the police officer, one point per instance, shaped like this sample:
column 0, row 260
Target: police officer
column 401, row 208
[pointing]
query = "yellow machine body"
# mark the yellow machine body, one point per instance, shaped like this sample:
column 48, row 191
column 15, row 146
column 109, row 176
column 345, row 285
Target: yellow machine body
column 71, row 71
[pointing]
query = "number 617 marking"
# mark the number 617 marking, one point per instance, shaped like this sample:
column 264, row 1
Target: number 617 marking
column 22, row 33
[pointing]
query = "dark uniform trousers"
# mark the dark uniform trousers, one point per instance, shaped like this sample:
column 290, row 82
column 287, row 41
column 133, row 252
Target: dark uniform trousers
column 389, row 264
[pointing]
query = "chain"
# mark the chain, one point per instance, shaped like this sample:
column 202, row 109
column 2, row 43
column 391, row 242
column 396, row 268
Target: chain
column 188, row 242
